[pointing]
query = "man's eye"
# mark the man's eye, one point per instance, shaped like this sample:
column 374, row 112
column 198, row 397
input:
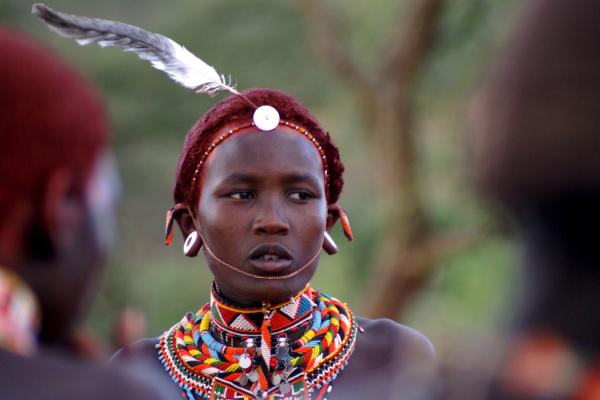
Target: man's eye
column 302, row 196
column 242, row 195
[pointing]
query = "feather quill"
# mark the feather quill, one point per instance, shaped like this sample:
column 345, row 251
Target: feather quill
column 163, row 53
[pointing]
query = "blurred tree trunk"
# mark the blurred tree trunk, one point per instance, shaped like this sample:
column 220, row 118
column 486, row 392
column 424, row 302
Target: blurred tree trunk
column 409, row 248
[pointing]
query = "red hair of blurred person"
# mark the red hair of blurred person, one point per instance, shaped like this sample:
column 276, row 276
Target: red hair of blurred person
column 235, row 111
column 49, row 118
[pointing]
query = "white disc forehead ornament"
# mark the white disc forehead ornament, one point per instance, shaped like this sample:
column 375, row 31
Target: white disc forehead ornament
column 266, row 118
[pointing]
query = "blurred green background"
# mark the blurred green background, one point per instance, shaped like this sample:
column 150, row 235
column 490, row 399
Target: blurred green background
column 265, row 43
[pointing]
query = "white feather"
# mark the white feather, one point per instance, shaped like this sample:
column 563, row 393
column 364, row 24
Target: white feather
column 163, row 53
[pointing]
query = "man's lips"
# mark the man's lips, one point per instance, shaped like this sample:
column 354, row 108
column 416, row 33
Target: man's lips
column 270, row 258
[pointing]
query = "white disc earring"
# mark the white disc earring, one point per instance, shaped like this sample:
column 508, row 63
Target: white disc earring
column 328, row 244
column 192, row 244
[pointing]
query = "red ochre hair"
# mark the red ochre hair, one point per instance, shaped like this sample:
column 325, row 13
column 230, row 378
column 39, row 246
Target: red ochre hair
column 49, row 118
column 234, row 110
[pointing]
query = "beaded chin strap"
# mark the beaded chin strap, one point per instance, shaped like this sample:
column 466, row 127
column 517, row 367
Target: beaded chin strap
column 266, row 118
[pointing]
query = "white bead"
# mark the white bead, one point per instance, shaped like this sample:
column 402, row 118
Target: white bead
column 253, row 376
column 245, row 361
column 276, row 379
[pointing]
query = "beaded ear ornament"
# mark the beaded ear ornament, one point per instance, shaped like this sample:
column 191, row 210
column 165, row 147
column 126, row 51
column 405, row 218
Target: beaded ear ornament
column 181, row 66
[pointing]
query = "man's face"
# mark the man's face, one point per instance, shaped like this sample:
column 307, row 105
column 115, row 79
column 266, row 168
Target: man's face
column 263, row 210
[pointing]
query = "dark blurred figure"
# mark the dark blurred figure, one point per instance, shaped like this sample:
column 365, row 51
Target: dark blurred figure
column 537, row 125
column 58, row 189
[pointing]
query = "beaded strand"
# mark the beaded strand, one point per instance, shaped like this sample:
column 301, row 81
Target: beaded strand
column 230, row 132
column 196, row 361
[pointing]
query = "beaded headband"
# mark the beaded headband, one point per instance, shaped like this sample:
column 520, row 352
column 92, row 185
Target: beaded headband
column 232, row 131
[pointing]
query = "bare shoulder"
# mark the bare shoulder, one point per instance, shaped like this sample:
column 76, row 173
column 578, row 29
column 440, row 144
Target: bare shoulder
column 401, row 345
column 140, row 360
column 390, row 360
column 143, row 348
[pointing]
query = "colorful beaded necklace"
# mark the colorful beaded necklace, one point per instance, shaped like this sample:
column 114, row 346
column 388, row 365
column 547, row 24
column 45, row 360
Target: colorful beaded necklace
column 228, row 352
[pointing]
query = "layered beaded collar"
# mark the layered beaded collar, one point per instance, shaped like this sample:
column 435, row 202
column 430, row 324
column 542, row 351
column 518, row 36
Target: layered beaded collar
column 230, row 322
column 18, row 315
column 227, row 352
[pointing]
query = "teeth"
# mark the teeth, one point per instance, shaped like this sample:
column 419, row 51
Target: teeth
column 269, row 257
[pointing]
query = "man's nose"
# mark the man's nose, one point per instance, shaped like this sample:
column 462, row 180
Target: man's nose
column 271, row 218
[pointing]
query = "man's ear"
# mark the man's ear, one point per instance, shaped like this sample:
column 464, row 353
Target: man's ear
column 184, row 220
column 61, row 209
column 332, row 216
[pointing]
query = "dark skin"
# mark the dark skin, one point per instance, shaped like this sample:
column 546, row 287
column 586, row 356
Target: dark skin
column 54, row 249
column 277, row 195
column 263, row 189
column 54, row 244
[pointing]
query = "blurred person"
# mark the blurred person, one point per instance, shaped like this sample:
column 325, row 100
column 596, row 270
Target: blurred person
column 257, row 190
column 58, row 190
column 537, row 153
